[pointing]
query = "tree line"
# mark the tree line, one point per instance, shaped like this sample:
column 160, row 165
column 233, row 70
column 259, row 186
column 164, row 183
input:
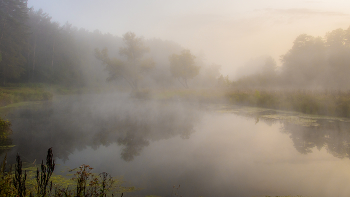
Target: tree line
column 312, row 62
column 35, row 49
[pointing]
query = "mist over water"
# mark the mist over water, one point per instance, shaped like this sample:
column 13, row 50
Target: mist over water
column 156, row 145
column 76, row 122
column 181, row 98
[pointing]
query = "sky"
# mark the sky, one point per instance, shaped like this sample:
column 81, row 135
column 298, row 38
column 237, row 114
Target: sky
column 224, row 32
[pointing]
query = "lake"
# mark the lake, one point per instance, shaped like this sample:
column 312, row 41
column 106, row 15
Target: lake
column 209, row 150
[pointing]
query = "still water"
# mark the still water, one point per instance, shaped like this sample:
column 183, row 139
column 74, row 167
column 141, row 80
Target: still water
column 207, row 150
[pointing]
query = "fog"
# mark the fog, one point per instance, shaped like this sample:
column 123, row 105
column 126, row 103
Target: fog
column 228, row 33
column 226, row 98
column 157, row 145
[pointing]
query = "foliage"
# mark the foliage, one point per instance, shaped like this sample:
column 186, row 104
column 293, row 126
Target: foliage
column 311, row 63
column 5, row 128
column 183, row 66
column 6, row 186
column 5, row 131
column 131, row 69
column 305, row 62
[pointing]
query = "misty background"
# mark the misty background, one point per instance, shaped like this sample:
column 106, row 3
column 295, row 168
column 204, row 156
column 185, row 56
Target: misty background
column 183, row 71
column 253, row 44
column 228, row 33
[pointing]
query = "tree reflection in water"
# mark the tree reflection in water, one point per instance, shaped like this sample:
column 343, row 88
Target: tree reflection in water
column 333, row 135
column 308, row 132
column 77, row 122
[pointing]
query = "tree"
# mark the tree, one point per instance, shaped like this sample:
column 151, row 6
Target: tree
column 304, row 64
column 13, row 37
column 338, row 57
column 183, row 67
column 130, row 70
column 40, row 44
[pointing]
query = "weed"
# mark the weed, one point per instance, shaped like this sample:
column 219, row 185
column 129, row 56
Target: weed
column 43, row 177
column 19, row 180
column 87, row 184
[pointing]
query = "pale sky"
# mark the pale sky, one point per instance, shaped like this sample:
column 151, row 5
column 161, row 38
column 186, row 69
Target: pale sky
column 227, row 32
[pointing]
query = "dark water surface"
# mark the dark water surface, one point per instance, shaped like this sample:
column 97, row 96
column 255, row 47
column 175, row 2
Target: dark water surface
column 209, row 152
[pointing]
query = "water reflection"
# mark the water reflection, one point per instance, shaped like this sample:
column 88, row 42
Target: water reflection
column 308, row 132
column 71, row 123
column 333, row 135
column 228, row 155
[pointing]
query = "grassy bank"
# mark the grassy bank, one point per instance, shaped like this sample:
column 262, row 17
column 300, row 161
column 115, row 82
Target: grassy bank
column 23, row 93
column 330, row 103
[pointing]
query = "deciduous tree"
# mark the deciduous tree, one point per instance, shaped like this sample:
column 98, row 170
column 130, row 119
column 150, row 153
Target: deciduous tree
column 183, row 66
column 130, row 70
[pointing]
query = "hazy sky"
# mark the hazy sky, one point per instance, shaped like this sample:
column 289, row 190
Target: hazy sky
column 227, row 32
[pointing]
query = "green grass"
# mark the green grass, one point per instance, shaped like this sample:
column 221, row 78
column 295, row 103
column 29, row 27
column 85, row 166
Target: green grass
column 20, row 93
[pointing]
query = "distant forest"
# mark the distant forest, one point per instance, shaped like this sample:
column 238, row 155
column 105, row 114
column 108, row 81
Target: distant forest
column 312, row 63
column 35, row 49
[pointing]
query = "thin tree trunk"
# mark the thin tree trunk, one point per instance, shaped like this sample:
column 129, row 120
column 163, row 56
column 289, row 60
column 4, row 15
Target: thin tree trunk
column 53, row 52
column 34, row 56
column 33, row 68
column 186, row 82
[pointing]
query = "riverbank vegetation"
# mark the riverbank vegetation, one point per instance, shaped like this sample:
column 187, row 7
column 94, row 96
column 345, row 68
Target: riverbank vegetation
column 27, row 180
column 330, row 103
